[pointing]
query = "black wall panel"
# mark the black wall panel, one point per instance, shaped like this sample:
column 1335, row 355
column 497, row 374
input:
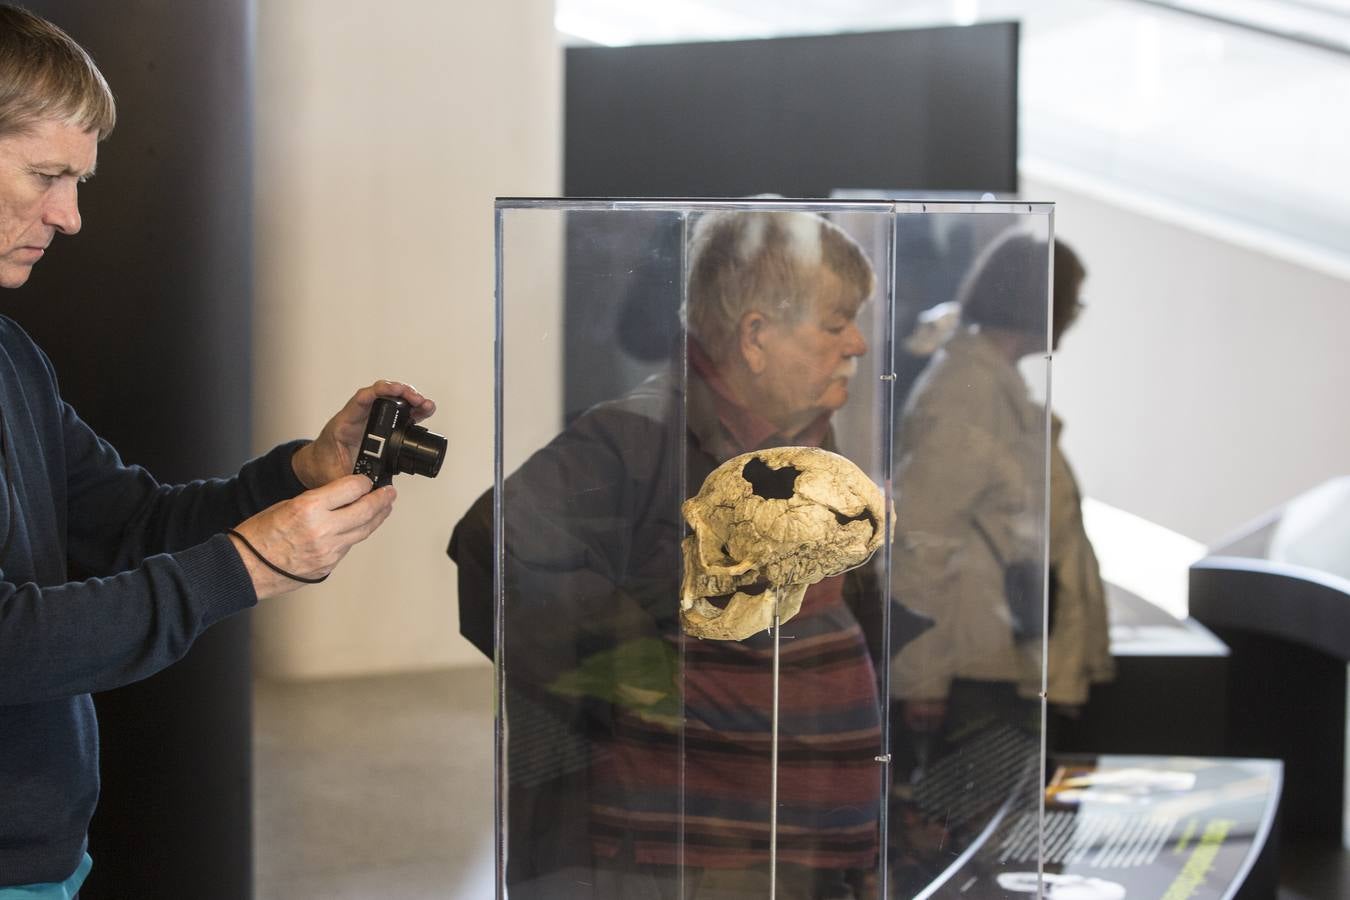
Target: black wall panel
column 146, row 314
column 932, row 108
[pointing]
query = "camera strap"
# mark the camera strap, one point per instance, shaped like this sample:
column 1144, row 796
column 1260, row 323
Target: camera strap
column 271, row 565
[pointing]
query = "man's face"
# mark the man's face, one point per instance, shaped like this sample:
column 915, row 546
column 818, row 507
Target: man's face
column 40, row 172
column 807, row 365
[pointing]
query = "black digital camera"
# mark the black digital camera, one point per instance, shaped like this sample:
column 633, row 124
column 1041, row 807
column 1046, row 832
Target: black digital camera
column 393, row 444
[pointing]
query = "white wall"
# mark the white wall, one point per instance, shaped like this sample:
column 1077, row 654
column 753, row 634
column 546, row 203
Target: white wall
column 383, row 134
column 1205, row 382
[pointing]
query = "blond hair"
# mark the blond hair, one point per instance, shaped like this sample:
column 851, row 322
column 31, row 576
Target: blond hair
column 764, row 261
column 46, row 76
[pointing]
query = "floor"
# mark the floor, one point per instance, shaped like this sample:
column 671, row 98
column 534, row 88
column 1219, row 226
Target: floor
column 375, row 787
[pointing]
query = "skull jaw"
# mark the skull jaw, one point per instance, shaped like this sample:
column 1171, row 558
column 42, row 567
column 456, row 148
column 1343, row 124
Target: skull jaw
column 745, row 615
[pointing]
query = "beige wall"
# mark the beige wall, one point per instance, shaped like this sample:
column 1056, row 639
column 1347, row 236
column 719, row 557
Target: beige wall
column 1205, row 382
column 383, row 134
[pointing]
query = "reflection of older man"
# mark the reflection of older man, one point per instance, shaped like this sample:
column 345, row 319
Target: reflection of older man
column 677, row 730
column 773, row 300
column 107, row 577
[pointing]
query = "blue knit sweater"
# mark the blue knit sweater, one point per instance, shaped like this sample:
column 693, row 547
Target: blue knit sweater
column 154, row 572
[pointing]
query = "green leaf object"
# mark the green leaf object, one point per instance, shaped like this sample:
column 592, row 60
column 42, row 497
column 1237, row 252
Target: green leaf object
column 638, row 675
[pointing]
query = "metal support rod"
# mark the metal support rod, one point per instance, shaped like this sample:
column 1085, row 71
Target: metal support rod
column 773, row 769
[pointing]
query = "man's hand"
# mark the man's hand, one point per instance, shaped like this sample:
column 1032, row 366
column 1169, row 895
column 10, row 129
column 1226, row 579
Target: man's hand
column 333, row 454
column 308, row 535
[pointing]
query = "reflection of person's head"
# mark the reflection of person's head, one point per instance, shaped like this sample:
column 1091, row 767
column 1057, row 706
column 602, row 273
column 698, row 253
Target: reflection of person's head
column 1067, row 295
column 1005, row 292
column 773, row 299
column 54, row 109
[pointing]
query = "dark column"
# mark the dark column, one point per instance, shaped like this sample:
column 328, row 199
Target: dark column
column 146, row 315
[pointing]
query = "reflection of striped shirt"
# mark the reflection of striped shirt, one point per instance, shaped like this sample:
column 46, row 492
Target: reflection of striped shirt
column 714, row 767
column 828, row 778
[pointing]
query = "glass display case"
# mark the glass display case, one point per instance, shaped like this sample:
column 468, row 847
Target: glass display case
column 767, row 575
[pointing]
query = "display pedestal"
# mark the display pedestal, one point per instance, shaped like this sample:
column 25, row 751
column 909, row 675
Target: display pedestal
column 1142, row 711
column 1278, row 592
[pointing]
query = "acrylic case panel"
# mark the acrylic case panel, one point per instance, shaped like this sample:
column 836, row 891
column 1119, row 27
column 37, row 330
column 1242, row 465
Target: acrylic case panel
column 969, row 556
column 875, row 742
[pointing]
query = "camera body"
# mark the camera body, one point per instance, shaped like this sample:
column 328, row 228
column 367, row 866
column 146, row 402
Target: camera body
column 393, row 444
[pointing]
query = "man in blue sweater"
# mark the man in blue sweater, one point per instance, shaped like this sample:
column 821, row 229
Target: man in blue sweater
column 155, row 563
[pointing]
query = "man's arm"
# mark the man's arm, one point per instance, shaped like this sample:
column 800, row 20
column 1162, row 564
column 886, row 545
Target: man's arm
column 119, row 515
column 471, row 550
column 591, row 554
column 166, row 573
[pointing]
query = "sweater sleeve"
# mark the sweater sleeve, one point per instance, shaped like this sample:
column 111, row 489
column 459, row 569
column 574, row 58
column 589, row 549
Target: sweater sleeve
column 153, row 573
column 119, row 514
column 106, row 576
column 101, row 633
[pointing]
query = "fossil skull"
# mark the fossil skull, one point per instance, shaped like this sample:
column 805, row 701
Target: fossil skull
column 767, row 525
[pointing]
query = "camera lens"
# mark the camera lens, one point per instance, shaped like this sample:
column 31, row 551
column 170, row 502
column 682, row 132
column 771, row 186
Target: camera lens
column 421, row 453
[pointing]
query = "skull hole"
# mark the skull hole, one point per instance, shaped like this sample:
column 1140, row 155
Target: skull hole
column 721, row 601
column 771, row 484
column 864, row 516
column 750, row 590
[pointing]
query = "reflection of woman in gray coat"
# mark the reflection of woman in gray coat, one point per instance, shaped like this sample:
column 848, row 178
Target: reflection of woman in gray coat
column 968, row 553
column 971, row 510
column 970, row 504
column 970, row 487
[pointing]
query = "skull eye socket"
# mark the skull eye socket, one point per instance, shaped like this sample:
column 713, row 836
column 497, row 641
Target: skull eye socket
column 771, row 484
column 865, row 515
column 722, row 601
